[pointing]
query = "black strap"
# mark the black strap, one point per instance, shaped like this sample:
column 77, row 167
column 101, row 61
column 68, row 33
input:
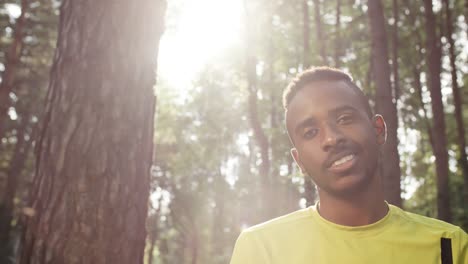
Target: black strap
column 446, row 250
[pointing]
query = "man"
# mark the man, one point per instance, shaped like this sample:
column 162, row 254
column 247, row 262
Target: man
column 336, row 141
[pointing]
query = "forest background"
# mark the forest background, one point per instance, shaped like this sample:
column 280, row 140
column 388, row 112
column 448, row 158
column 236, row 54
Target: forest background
column 100, row 161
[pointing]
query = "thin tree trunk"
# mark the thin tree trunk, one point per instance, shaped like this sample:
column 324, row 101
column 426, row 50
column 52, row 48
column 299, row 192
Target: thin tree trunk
column 20, row 155
column 321, row 42
column 91, row 186
column 417, row 69
column 306, row 33
column 338, row 34
column 218, row 215
column 396, row 77
column 154, row 228
column 439, row 138
column 151, row 250
column 466, row 13
column 309, row 188
column 418, row 86
column 390, row 169
column 457, row 101
column 255, row 123
column 12, row 60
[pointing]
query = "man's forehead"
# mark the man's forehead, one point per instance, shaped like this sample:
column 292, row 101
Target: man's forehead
column 323, row 96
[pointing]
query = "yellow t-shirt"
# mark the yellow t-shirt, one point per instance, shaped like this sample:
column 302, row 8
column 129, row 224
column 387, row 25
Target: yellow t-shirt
column 304, row 237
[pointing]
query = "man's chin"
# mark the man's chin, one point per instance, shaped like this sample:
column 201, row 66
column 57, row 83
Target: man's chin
column 349, row 185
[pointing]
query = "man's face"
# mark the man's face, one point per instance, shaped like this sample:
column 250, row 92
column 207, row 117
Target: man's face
column 336, row 142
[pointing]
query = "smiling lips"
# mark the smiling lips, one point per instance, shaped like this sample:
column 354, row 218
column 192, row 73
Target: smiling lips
column 343, row 164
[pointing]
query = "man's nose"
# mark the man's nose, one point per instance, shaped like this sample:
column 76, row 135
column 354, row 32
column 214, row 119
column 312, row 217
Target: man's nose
column 331, row 137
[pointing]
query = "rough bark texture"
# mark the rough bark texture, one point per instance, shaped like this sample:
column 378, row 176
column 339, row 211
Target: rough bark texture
column 91, row 185
column 390, row 169
column 439, row 139
column 457, row 101
column 11, row 63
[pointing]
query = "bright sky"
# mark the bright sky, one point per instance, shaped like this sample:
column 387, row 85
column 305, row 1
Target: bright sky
column 196, row 32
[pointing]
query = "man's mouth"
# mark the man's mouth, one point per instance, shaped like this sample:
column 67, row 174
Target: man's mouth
column 343, row 160
column 343, row 164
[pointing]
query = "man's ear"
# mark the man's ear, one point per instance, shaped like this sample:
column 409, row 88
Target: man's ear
column 295, row 156
column 380, row 129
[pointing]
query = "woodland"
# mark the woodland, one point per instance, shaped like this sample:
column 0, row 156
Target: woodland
column 104, row 160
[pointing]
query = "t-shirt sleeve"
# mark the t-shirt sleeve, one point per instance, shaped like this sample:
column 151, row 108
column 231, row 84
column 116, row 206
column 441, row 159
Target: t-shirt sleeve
column 247, row 250
column 463, row 247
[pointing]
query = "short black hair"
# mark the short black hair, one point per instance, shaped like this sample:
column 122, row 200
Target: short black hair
column 317, row 74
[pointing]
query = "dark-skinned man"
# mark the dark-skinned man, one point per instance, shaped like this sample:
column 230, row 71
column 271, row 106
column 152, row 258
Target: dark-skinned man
column 336, row 141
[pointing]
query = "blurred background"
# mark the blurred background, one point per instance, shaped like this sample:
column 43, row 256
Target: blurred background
column 221, row 159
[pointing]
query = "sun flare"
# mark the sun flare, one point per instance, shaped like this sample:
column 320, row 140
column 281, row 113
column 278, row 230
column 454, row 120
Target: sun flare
column 201, row 29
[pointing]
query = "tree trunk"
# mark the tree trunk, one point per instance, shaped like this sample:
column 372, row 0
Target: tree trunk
column 321, row 42
column 256, row 124
column 384, row 104
column 219, row 215
column 306, row 33
column 396, row 77
column 457, row 101
column 466, row 13
column 153, row 227
column 11, row 63
column 16, row 166
column 309, row 189
column 418, row 86
column 439, row 139
column 91, row 185
column 338, row 34
column 151, row 250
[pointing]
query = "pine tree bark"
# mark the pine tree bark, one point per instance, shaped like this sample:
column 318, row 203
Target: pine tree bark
column 94, row 155
column 11, row 63
column 390, row 169
column 457, row 101
column 434, row 53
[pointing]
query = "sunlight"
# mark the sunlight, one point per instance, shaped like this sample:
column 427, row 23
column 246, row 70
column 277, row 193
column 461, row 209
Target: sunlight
column 13, row 10
column 201, row 30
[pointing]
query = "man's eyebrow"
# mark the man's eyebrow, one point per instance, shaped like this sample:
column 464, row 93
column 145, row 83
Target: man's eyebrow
column 342, row 109
column 305, row 123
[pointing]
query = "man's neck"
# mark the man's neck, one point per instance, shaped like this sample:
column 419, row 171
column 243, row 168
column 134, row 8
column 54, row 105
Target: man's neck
column 363, row 209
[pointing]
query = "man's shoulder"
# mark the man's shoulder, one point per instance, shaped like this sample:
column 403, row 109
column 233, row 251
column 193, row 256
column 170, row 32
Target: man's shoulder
column 282, row 222
column 424, row 221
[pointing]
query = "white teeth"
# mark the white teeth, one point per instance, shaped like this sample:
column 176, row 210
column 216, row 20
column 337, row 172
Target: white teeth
column 343, row 160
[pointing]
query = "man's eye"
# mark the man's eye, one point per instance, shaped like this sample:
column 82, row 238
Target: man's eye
column 345, row 119
column 310, row 133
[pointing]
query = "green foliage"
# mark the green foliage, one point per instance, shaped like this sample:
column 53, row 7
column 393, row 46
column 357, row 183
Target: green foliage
column 27, row 97
column 205, row 181
column 206, row 148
